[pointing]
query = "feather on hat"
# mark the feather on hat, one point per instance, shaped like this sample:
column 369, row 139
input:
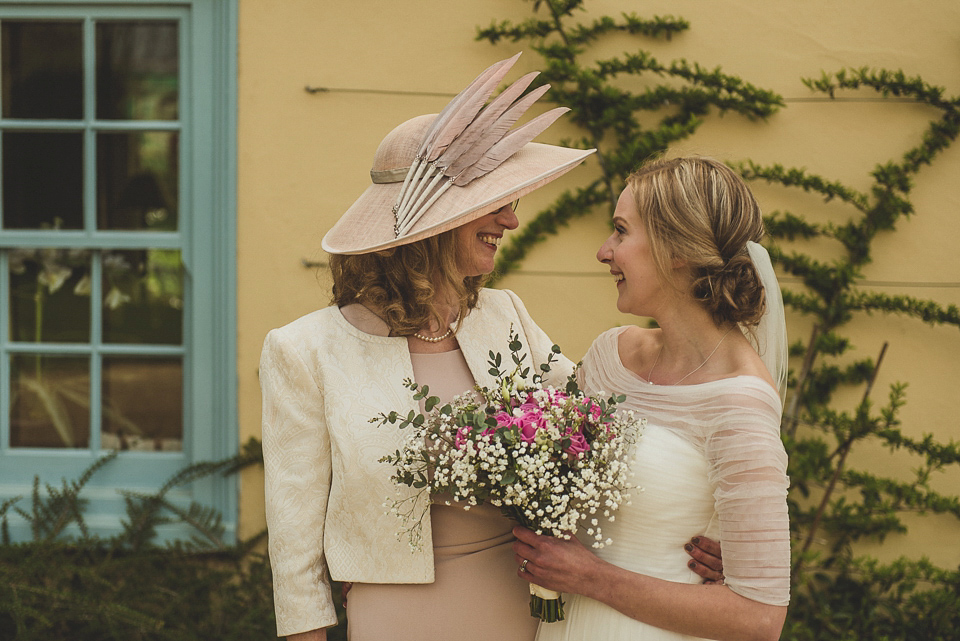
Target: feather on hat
column 435, row 173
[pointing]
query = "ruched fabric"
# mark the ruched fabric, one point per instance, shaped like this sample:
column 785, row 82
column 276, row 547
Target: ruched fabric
column 710, row 462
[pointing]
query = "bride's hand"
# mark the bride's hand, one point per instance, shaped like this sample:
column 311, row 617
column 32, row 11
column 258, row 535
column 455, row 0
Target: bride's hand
column 562, row 565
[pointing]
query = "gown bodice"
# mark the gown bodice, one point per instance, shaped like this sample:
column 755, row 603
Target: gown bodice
column 709, row 462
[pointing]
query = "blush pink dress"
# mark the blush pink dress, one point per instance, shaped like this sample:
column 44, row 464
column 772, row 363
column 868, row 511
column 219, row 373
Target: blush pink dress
column 476, row 595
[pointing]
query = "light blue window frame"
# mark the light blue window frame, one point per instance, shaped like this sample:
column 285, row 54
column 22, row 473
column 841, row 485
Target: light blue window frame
column 206, row 238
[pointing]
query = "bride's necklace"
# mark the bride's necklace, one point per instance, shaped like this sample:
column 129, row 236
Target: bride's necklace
column 695, row 369
column 437, row 339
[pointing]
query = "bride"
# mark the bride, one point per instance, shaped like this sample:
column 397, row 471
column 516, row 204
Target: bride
column 684, row 252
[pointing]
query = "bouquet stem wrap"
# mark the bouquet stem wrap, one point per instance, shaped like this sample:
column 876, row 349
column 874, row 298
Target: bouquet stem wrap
column 545, row 604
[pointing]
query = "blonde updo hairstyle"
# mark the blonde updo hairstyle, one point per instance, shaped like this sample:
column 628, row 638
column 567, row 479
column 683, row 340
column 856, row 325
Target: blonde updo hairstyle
column 401, row 284
column 698, row 211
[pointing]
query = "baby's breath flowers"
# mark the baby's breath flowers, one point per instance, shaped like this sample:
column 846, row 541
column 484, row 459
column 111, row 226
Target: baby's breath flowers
column 550, row 458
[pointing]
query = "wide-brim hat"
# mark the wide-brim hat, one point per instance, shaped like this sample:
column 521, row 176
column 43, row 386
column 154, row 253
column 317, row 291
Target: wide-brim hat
column 371, row 224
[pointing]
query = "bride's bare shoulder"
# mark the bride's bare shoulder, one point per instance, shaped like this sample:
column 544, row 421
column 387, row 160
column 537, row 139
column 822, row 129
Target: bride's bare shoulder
column 637, row 346
column 746, row 362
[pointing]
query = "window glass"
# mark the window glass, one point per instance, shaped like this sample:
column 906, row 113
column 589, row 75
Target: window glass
column 143, row 297
column 41, row 65
column 141, row 404
column 49, row 401
column 137, row 186
column 137, row 70
column 87, row 326
column 42, row 180
column 49, row 295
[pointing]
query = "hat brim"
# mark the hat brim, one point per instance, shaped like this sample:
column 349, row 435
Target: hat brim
column 368, row 225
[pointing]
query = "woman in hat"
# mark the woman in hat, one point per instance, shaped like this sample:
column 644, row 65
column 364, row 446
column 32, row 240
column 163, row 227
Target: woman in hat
column 408, row 260
column 684, row 252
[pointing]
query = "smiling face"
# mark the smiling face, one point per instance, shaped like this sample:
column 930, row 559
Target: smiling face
column 628, row 255
column 477, row 241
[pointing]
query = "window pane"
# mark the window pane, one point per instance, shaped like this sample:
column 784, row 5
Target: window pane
column 42, row 180
column 142, row 404
column 49, row 295
column 137, row 186
column 137, row 70
column 49, row 401
column 42, row 69
column 143, row 297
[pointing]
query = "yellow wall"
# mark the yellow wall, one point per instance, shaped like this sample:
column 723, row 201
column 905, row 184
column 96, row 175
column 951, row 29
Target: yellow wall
column 304, row 158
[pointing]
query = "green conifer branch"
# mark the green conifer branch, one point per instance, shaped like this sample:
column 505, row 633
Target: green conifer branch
column 938, row 453
column 794, row 177
column 890, row 495
column 803, row 303
column 926, row 310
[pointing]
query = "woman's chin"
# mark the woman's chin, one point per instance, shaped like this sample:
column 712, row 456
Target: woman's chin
column 481, row 270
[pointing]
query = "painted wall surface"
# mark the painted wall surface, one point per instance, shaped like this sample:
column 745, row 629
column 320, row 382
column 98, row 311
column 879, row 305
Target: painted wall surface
column 304, row 157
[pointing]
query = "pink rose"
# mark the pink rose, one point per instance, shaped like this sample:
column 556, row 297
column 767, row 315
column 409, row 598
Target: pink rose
column 557, row 395
column 528, row 406
column 531, row 422
column 504, row 419
column 578, row 444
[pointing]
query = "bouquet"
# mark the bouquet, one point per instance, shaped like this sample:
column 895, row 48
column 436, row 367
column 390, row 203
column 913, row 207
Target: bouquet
column 551, row 459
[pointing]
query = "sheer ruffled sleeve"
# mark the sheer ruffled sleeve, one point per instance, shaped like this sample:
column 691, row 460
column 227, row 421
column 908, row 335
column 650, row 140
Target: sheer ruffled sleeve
column 748, row 469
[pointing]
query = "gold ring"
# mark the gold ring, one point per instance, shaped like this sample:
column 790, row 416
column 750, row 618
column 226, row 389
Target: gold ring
column 523, row 566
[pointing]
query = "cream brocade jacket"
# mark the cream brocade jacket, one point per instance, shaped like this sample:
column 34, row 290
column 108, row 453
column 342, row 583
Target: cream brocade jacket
column 322, row 381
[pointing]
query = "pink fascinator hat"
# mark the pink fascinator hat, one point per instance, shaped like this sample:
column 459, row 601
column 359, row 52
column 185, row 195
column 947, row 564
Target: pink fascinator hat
column 436, row 172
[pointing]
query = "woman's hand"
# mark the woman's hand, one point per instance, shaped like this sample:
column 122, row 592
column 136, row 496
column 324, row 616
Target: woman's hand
column 707, row 560
column 562, row 565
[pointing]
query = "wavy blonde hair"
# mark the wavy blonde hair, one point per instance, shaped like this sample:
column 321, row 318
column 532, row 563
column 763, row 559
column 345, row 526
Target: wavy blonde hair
column 401, row 284
column 699, row 211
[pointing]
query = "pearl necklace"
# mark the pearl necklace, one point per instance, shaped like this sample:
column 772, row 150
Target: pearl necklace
column 695, row 369
column 437, row 339
column 434, row 339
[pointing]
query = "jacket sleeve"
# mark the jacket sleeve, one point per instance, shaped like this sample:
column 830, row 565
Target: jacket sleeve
column 540, row 346
column 297, row 476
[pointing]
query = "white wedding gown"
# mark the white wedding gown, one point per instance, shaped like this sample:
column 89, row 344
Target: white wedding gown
column 711, row 462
